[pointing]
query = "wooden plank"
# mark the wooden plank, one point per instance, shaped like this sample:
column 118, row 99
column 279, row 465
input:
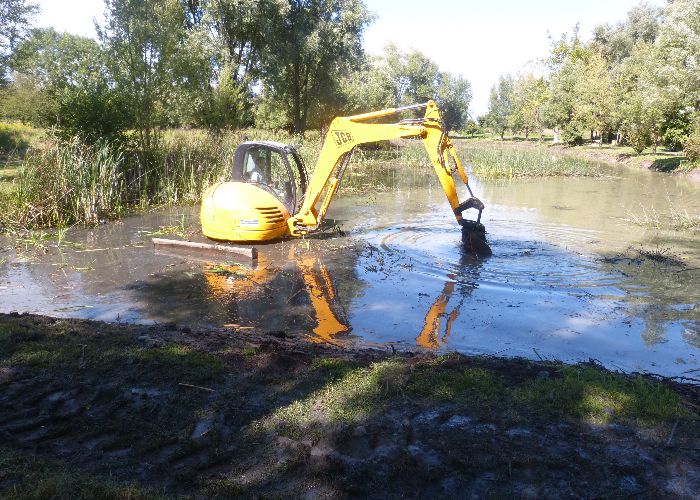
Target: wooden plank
column 252, row 253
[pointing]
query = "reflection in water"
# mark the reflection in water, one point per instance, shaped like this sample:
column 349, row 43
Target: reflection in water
column 432, row 335
column 236, row 283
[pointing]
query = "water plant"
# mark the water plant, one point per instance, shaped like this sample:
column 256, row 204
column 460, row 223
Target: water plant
column 489, row 162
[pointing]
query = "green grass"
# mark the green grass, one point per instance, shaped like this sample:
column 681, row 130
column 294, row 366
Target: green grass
column 60, row 348
column 597, row 396
column 30, row 477
column 15, row 138
column 574, row 392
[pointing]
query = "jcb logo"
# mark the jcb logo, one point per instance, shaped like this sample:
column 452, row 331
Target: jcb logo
column 342, row 137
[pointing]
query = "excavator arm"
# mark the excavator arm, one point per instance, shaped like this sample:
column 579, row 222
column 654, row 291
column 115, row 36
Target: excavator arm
column 346, row 133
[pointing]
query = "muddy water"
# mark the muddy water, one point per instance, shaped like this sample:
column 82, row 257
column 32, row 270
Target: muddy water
column 568, row 280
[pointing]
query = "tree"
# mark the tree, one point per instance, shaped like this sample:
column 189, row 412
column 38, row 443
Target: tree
column 529, row 95
column 617, row 43
column 593, row 104
column 454, row 94
column 62, row 80
column 679, row 45
column 316, row 43
column 640, row 105
column 241, row 33
column 143, row 40
column 414, row 77
column 500, row 110
column 15, row 17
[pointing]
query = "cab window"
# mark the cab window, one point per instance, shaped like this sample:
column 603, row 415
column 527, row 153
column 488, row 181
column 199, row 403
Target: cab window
column 268, row 167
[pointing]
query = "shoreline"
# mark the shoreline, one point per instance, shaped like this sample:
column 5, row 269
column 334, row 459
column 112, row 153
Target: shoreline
column 165, row 410
column 663, row 162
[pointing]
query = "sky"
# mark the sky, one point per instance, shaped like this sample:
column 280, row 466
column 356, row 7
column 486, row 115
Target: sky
column 479, row 40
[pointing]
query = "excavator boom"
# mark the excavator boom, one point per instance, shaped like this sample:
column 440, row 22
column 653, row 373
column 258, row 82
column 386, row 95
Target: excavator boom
column 346, row 133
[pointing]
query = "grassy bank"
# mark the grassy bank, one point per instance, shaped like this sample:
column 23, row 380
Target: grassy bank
column 661, row 160
column 91, row 409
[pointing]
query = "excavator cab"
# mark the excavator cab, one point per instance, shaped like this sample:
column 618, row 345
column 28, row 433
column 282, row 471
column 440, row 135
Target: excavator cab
column 274, row 167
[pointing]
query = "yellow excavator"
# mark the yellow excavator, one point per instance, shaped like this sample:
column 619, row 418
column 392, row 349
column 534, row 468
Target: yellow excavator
column 270, row 196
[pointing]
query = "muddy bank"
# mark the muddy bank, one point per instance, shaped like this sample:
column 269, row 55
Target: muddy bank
column 90, row 408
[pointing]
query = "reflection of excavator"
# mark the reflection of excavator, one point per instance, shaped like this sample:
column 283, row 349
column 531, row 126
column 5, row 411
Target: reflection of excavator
column 243, row 283
column 429, row 336
column 269, row 196
column 438, row 323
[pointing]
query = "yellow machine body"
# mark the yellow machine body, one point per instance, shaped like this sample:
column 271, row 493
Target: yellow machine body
column 239, row 211
column 268, row 196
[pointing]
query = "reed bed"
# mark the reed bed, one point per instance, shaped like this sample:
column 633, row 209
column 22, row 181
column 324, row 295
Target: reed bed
column 492, row 163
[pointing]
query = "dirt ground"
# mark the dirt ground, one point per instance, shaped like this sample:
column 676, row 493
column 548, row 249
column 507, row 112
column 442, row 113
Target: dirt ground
column 96, row 410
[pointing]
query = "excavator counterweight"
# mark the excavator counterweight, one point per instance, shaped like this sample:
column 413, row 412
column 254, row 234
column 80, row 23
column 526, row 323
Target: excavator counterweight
column 270, row 196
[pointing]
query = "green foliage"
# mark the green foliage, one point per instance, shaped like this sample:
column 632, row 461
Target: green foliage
column 319, row 43
column 61, row 80
column 529, row 96
column 17, row 138
column 146, row 46
column 692, row 145
column 678, row 44
column 500, row 111
column 453, row 97
column 15, row 17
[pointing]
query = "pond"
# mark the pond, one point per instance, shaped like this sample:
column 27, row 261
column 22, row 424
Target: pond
column 572, row 276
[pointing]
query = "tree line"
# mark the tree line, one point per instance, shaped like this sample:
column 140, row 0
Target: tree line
column 636, row 82
column 286, row 64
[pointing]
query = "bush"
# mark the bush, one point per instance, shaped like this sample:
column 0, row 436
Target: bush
column 639, row 138
column 675, row 130
column 692, row 145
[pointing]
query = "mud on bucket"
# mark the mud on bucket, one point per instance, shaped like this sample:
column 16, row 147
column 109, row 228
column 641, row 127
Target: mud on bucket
column 474, row 238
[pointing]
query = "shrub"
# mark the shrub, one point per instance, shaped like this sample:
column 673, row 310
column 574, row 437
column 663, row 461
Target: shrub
column 692, row 145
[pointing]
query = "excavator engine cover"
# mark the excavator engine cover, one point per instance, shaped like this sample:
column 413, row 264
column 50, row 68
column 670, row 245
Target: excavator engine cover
column 267, row 182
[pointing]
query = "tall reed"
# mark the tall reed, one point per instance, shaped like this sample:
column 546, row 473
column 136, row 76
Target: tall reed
column 489, row 162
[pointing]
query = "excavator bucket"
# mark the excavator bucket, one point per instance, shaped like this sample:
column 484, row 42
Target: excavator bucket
column 473, row 231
